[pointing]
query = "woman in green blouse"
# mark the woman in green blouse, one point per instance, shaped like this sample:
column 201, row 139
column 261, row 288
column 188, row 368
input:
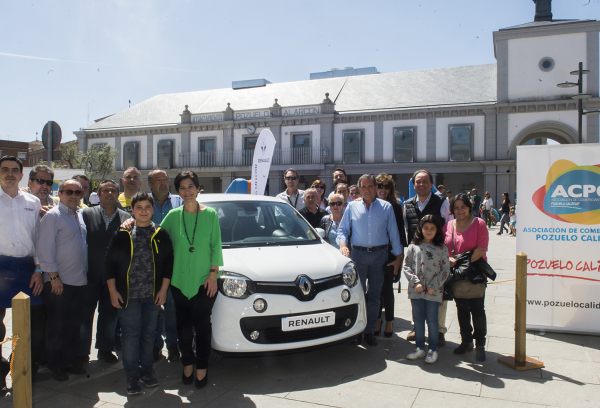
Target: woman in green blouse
column 196, row 236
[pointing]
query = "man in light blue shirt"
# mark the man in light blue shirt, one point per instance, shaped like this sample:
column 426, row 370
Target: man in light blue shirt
column 373, row 226
column 164, row 201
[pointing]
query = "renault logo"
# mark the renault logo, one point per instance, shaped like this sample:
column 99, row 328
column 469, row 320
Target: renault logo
column 305, row 285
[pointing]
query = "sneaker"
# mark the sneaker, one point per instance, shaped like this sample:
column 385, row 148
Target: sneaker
column 133, row 386
column 174, row 354
column 432, row 357
column 418, row 353
column 148, row 379
column 411, row 336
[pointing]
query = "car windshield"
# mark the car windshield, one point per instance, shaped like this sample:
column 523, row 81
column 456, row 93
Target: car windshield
column 260, row 223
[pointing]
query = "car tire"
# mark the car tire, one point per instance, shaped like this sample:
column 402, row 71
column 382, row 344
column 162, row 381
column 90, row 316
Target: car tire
column 214, row 358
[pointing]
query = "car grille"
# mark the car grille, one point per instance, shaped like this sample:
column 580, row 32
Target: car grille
column 270, row 331
column 292, row 288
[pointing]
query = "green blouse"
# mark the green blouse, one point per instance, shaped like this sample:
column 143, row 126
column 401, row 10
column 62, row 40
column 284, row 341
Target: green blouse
column 191, row 269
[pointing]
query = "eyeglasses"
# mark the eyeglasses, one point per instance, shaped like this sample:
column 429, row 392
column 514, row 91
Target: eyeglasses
column 384, row 186
column 291, row 178
column 47, row 182
column 333, row 203
column 319, row 187
column 71, row 192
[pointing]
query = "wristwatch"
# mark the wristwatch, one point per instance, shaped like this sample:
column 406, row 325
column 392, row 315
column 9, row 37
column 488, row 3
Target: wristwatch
column 55, row 277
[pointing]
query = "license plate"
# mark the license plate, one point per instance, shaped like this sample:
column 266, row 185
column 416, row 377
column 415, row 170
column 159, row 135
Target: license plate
column 308, row 321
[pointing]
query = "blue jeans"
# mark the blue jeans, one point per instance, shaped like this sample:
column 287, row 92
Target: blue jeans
column 138, row 329
column 170, row 328
column 426, row 310
column 97, row 294
column 370, row 268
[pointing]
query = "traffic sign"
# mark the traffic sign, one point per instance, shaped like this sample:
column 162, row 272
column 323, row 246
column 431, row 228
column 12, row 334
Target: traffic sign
column 53, row 129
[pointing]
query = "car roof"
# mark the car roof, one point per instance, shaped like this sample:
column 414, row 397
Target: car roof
column 210, row 198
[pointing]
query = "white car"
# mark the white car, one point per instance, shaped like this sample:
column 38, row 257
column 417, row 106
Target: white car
column 282, row 287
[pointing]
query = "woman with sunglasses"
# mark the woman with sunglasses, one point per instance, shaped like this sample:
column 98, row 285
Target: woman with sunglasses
column 330, row 223
column 321, row 199
column 386, row 191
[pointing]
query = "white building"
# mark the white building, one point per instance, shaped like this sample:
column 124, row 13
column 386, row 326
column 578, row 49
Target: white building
column 463, row 124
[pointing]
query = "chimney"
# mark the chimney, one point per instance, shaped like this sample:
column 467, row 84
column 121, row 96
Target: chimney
column 543, row 10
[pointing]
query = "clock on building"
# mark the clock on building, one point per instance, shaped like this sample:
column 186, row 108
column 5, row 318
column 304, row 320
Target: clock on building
column 251, row 129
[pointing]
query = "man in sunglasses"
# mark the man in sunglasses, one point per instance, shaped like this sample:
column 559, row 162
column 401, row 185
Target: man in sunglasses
column 19, row 266
column 101, row 222
column 41, row 179
column 292, row 195
column 62, row 251
column 85, row 188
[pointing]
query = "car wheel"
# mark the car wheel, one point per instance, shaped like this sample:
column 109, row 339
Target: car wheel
column 214, row 358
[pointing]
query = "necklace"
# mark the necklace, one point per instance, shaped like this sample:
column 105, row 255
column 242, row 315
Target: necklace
column 192, row 249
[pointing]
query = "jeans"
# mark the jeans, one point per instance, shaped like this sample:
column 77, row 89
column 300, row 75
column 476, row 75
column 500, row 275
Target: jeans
column 387, row 297
column 170, row 328
column 504, row 222
column 194, row 314
column 467, row 309
column 97, row 294
column 370, row 268
column 425, row 310
column 138, row 329
column 65, row 316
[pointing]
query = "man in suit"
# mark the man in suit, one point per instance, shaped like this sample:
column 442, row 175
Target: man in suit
column 102, row 222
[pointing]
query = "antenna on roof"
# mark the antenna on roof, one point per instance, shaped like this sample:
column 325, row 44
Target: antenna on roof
column 130, row 103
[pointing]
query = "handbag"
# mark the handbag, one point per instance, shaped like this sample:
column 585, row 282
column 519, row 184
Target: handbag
column 464, row 288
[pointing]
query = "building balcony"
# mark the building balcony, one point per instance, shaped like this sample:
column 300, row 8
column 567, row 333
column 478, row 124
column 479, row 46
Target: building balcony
column 238, row 158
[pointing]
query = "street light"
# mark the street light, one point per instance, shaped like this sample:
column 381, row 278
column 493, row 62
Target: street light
column 580, row 97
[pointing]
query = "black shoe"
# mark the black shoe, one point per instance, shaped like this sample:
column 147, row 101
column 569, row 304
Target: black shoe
column 82, row 360
column 441, row 340
column 480, row 353
column 156, row 353
column 174, row 354
column 149, row 379
column 107, row 356
column 388, row 334
column 464, row 347
column 187, row 380
column 370, row 339
column 202, row 383
column 60, row 375
column 133, row 386
column 75, row 369
column 358, row 339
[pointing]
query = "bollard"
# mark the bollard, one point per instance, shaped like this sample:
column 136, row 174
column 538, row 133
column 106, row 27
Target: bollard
column 520, row 361
column 21, row 357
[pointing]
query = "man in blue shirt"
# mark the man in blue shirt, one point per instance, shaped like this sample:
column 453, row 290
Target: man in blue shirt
column 373, row 225
column 164, row 201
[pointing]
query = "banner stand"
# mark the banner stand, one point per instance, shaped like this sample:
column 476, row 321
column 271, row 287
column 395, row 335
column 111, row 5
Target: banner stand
column 520, row 361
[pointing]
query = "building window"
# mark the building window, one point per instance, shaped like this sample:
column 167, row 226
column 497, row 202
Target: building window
column 301, row 150
column 164, row 154
column 461, row 142
column 206, row 152
column 404, row 144
column 352, row 144
column 22, row 155
column 131, row 155
column 248, row 153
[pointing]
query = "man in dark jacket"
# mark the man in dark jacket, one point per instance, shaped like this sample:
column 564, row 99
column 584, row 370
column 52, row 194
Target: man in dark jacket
column 101, row 221
column 139, row 266
column 311, row 211
column 422, row 204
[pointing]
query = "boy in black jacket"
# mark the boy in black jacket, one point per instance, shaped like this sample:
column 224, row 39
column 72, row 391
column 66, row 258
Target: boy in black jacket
column 139, row 266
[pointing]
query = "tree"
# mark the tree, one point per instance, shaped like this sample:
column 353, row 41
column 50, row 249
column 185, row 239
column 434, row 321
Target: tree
column 99, row 160
column 72, row 155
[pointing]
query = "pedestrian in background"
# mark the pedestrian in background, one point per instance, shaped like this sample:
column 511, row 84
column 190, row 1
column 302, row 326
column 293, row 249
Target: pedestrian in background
column 475, row 201
column 505, row 209
column 487, row 205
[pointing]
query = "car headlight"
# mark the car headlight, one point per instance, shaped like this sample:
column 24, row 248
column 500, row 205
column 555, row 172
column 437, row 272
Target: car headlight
column 235, row 285
column 350, row 275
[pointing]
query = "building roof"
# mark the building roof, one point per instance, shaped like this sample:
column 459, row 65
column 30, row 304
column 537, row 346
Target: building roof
column 397, row 90
column 545, row 23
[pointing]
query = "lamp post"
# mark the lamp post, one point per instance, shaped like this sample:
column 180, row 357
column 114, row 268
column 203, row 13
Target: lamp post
column 580, row 97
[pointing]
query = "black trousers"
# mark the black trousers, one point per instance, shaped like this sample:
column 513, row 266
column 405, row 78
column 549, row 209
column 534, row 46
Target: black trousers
column 194, row 314
column 467, row 309
column 65, row 315
column 97, row 294
column 387, row 297
column 38, row 331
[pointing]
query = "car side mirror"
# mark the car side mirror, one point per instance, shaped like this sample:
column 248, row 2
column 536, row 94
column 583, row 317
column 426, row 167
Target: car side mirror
column 321, row 232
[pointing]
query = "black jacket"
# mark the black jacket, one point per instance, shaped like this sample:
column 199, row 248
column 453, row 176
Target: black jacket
column 118, row 260
column 413, row 215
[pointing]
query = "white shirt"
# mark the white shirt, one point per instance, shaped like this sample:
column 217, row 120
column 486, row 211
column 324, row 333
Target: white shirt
column 19, row 218
column 488, row 204
column 296, row 200
column 94, row 199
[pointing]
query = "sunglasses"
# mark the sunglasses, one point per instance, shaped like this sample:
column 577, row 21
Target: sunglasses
column 384, row 186
column 291, row 178
column 334, row 203
column 71, row 192
column 319, row 187
column 47, row 182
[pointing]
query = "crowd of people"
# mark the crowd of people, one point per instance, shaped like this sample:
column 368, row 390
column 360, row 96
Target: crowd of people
column 129, row 255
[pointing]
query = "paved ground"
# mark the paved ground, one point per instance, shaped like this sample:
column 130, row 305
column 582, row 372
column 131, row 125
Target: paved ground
column 357, row 376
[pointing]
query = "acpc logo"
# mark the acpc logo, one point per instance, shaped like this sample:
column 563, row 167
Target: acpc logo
column 571, row 193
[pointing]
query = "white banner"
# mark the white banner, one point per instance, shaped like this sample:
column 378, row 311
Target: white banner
column 263, row 154
column 558, row 228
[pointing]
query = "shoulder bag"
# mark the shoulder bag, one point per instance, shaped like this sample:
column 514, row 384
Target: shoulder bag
column 465, row 289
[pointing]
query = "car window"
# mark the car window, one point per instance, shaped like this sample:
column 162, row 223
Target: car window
column 257, row 223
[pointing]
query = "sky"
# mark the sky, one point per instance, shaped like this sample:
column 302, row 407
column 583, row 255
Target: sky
column 76, row 61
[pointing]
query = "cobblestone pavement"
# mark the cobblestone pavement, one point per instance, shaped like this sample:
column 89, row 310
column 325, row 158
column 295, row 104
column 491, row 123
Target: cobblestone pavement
column 361, row 376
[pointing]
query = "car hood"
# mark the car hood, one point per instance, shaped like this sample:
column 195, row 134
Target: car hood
column 284, row 263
